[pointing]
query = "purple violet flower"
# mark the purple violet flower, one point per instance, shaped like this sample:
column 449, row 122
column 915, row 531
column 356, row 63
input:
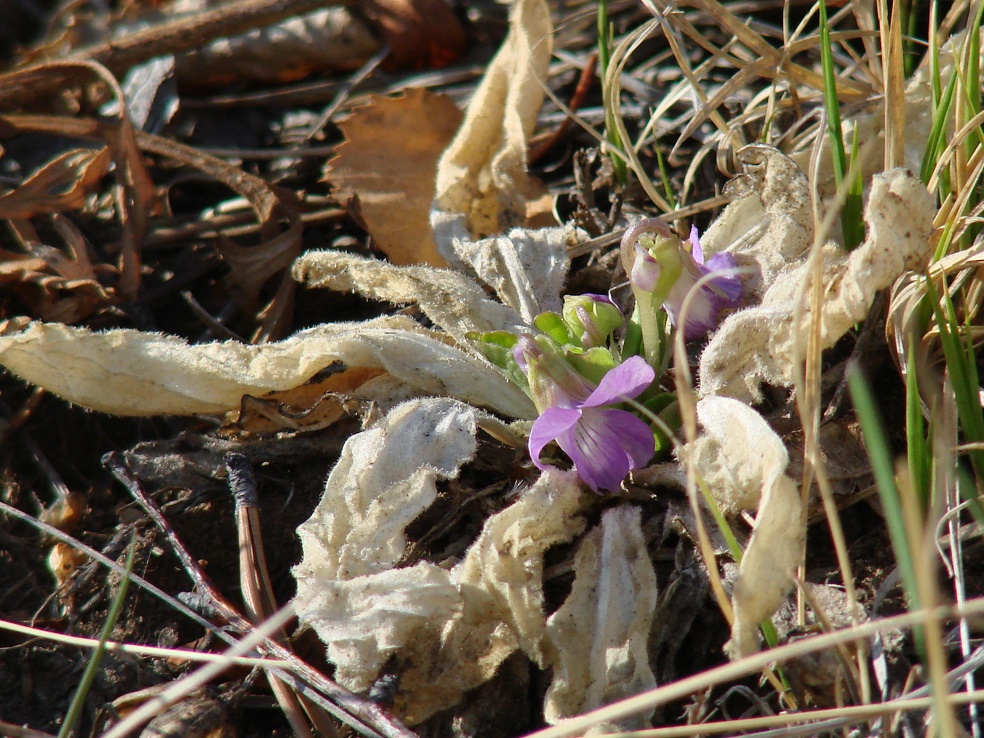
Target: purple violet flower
column 658, row 263
column 723, row 291
column 604, row 443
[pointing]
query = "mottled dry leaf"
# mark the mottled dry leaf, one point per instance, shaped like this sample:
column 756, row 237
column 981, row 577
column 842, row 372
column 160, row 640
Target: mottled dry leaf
column 759, row 344
column 127, row 372
column 389, row 160
column 526, row 268
column 743, row 462
column 482, row 175
column 450, row 299
column 348, row 589
column 768, row 225
column 599, row 637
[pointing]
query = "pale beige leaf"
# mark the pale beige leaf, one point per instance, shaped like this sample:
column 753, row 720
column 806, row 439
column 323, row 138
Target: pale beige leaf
column 526, row 267
column 482, row 174
column 743, row 462
column 450, row 299
column 348, row 588
column 759, row 344
column 599, row 637
column 501, row 585
column 768, row 225
column 127, row 372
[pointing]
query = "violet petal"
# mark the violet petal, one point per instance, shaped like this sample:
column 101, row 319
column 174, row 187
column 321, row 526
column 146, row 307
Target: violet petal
column 553, row 422
column 606, row 445
column 628, row 379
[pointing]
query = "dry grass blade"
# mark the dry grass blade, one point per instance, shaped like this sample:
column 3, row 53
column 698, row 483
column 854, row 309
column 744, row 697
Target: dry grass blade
column 688, row 686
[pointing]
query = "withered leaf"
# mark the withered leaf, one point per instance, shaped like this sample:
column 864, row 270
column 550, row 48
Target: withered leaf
column 61, row 184
column 389, row 159
column 309, row 407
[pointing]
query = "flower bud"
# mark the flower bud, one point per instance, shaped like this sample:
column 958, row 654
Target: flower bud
column 591, row 318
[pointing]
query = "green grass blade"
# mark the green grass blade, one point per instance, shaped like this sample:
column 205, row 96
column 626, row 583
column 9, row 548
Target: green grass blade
column 851, row 223
column 664, row 176
column 962, row 367
column 883, row 467
column 917, row 445
column 85, row 684
column 936, row 141
column 605, row 40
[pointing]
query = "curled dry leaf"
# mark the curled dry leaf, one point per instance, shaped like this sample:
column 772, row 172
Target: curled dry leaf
column 127, row 372
column 482, row 175
column 759, row 344
column 63, row 561
column 64, row 183
column 768, row 225
column 444, row 631
column 599, row 637
column 451, row 300
column 500, row 581
column 526, row 268
column 389, row 160
column 330, row 39
column 56, row 286
column 743, row 462
column 347, row 587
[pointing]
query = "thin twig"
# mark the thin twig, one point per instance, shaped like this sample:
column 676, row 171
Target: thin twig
column 257, row 589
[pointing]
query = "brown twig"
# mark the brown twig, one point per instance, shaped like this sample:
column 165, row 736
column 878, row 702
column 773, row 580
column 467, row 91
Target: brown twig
column 257, row 589
column 584, row 83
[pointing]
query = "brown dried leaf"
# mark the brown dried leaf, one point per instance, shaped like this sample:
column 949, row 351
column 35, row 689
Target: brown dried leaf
column 55, row 286
column 61, row 184
column 309, row 407
column 389, row 160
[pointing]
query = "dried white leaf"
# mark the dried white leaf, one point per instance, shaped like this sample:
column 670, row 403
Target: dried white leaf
column 759, row 344
column 599, row 636
column 127, row 372
column 526, row 268
column 768, row 225
column 482, row 174
column 500, row 581
column 450, row 299
column 347, row 587
column 743, row 462
column 384, row 479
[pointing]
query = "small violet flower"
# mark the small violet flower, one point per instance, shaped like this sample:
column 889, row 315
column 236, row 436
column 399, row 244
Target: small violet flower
column 658, row 263
column 604, row 443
